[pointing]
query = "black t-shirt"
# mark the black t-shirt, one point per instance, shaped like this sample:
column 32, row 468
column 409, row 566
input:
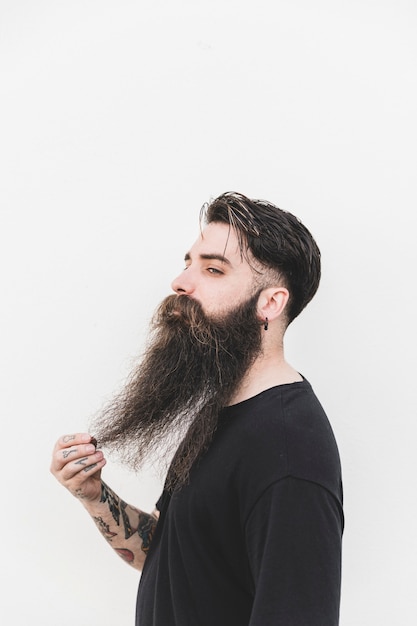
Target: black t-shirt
column 255, row 538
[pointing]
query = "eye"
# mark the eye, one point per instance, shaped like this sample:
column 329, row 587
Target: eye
column 214, row 270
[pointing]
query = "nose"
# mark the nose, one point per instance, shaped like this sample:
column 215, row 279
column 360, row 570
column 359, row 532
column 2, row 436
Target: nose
column 184, row 284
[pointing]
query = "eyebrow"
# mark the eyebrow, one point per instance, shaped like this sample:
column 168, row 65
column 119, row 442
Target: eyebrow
column 209, row 257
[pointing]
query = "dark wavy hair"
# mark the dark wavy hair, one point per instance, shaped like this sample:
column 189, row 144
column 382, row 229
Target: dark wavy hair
column 275, row 238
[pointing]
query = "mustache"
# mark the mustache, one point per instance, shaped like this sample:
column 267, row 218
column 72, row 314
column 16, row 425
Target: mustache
column 182, row 312
column 175, row 306
column 185, row 317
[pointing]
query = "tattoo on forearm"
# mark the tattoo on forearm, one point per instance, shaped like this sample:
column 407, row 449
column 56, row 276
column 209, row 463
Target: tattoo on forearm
column 127, row 555
column 146, row 523
column 129, row 531
column 113, row 501
column 104, row 528
column 146, row 529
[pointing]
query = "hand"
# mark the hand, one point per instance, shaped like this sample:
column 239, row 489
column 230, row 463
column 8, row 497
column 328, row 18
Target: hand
column 77, row 465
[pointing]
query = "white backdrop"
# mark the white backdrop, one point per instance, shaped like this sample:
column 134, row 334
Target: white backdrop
column 118, row 120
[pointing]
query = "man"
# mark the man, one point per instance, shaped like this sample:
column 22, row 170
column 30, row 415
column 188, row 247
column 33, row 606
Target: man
column 248, row 529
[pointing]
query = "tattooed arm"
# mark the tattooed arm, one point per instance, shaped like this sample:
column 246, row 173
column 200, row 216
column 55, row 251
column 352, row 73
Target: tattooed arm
column 77, row 464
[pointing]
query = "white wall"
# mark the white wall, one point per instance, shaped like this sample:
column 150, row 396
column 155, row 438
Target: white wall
column 118, row 120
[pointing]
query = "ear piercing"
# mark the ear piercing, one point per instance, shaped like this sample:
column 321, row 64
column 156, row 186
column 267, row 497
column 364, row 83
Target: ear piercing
column 266, row 324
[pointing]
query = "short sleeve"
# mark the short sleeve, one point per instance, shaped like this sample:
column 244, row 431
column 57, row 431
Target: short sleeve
column 294, row 537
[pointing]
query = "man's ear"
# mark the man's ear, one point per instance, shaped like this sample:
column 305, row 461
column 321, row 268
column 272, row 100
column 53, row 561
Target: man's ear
column 272, row 302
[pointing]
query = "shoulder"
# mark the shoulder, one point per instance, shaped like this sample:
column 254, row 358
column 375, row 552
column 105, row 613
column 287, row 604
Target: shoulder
column 283, row 431
column 286, row 416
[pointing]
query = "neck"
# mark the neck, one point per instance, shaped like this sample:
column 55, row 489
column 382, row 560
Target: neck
column 269, row 370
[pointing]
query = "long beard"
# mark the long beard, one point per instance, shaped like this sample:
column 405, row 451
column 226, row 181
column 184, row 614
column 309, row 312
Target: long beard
column 190, row 370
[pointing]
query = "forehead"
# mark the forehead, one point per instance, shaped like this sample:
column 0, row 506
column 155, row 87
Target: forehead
column 218, row 238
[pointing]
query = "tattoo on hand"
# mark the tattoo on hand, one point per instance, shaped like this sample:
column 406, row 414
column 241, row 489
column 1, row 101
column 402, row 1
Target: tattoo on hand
column 83, row 461
column 90, row 467
column 68, row 438
column 66, row 453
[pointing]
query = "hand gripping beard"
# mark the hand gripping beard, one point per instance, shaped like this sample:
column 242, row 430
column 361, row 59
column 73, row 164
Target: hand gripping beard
column 190, row 370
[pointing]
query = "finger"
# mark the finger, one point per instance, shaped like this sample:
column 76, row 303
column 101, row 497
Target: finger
column 88, row 465
column 63, row 457
column 73, row 439
column 80, row 469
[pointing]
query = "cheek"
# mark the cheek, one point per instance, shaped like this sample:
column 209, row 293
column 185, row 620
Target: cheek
column 222, row 302
column 214, row 304
column 221, row 297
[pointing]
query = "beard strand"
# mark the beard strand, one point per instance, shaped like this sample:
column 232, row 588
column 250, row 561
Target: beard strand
column 190, row 370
